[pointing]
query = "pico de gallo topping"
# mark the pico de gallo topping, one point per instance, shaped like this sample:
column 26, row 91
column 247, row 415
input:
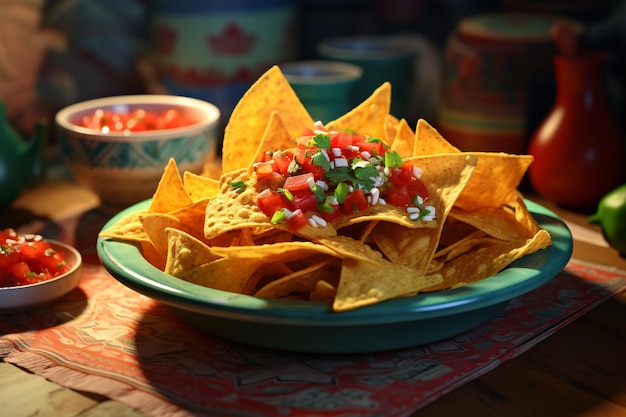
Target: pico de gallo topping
column 28, row 259
column 330, row 174
column 137, row 120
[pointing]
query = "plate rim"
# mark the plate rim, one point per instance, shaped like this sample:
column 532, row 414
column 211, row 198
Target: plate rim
column 520, row 276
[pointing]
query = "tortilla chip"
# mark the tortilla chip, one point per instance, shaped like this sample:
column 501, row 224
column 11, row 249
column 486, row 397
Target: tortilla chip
column 276, row 137
column 445, row 177
column 170, row 193
column 127, row 228
column 404, row 141
column 199, row 187
column 155, row 225
column 494, row 182
column 234, row 209
column 369, row 117
column 360, row 283
column 428, row 141
column 248, row 120
column 302, row 281
column 486, row 260
column 185, row 252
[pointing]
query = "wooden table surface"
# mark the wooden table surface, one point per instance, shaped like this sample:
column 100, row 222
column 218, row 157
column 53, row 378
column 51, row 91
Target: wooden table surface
column 579, row 371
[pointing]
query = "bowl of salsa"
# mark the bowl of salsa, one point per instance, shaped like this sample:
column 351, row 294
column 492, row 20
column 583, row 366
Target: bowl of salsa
column 35, row 271
column 118, row 146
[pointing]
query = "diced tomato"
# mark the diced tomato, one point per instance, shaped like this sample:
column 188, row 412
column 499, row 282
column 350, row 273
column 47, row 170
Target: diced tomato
column 398, row 196
column 8, row 257
column 297, row 220
column 341, row 140
column 19, row 272
column 305, row 200
column 33, row 251
column 402, row 195
column 317, row 171
column 402, row 175
column 270, row 202
column 54, row 262
column 264, row 169
column 333, row 215
column 137, row 120
column 355, row 202
column 374, row 148
column 417, row 187
column 282, row 161
column 298, row 182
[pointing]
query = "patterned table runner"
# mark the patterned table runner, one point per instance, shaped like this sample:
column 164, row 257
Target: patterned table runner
column 107, row 339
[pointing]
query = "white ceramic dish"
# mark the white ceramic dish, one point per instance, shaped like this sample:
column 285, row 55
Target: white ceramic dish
column 31, row 296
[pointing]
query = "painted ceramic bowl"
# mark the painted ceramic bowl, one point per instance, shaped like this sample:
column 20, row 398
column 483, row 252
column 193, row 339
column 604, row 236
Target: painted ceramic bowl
column 26, row 297
column 311, row 326
column 124, row 166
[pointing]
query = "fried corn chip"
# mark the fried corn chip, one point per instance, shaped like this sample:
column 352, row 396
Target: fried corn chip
column 170, row 193
column 369, row 117
column 199, row 187
column 248, row 120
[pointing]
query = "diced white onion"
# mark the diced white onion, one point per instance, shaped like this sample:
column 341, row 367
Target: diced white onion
column 318, row 220
column 341, row 162
column 322, row 184
column 375, row 195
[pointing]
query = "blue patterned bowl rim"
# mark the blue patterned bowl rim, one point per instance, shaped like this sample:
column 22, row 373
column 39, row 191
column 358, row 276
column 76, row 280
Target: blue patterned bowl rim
column 207, row 113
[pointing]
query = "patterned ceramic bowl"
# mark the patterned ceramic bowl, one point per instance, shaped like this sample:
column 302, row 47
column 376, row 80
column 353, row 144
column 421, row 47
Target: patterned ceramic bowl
column 124, row 168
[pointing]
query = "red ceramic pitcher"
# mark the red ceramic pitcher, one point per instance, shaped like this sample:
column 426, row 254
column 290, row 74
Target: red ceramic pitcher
column 579, row 150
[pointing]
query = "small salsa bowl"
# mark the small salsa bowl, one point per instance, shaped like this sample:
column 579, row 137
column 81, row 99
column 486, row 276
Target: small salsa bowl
column 26, row 297
column 124, row 168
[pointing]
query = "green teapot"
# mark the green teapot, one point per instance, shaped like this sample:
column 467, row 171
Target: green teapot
column 21, row 161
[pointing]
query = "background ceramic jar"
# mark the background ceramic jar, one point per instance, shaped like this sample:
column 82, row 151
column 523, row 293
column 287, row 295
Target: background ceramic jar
column 497, row 81
column 215, row 49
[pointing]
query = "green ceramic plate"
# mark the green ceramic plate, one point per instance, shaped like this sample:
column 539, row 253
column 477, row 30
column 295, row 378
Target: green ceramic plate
column 312, row 327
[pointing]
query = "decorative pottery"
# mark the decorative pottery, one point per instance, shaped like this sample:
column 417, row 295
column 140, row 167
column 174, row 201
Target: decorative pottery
column 215, row 49
column 579, row 149
column 493, row 64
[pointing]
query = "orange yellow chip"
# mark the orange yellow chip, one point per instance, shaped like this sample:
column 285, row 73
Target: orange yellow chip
column 170, row 193
column 198, row 186
column 368, row 118
column 248, row 120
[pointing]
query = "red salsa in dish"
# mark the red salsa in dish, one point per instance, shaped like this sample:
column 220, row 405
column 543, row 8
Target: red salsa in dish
column 138, row 120
column 330, row 174
column 28, row 259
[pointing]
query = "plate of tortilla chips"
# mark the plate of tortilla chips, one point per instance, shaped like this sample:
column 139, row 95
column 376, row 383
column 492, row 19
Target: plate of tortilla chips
column 356, row 235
